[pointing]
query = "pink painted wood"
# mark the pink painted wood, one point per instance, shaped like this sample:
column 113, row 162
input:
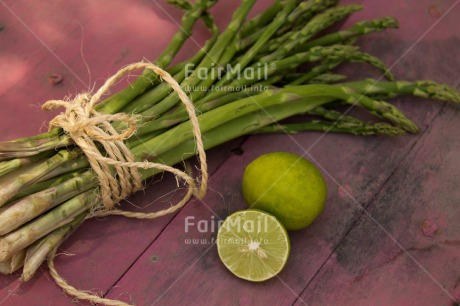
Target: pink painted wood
column 348, row 257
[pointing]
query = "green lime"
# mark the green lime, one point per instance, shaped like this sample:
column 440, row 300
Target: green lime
column 253, row 245
column 287, row 186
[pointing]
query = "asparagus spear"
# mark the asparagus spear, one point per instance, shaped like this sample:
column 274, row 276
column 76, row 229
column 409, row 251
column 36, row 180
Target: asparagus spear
column 30, row 146
column 327, row 78
column 37, row 253
column 181, row 115
column 212, row 58
column 287, row 63
column 422, row 89
column 37, row 187
column 317, row 24
column 151, row 97
column 213, row 118
column 366, row 129
column 262, row 19
column 358, row 29
column 301, row 15
column 305, row 11
column 16, row 163
column 261, row 41
column 13, row 264
column 61, row 215
column 333, row 61
column 26, row 209
column 11, row 184
column 122, row 98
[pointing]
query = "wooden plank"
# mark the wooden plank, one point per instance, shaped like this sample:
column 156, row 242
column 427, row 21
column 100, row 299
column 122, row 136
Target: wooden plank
column 194, row 274
column 103, row 41
column 99, row 239
column 183, row 272
column 97, row 267
column 104, row 248
column 419, row 208
column 25, row 32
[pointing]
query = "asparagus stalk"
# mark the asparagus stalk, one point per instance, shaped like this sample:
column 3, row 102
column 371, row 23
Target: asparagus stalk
column 288, row 63
column 151, row 97
column 317, row 24
column 15, row 164
column 333, row 115
column 30, row 146
column 209, row 60
column 13, row 264
column 328, row 78
column 181, row 115
column 26, row 209
column 360, row 28
column 262, row 19
column 61, row 215
column 365, row 129
column 374, row 61
column 11, row 184
column 225, row 113
column 301, row 15
column 145, row 81
column 37, row 253
column 325, row 67
column 335, row 60
column 422, row 89
column 37, row 187
column 261, row 41
column 305, row 11
column 381, row 109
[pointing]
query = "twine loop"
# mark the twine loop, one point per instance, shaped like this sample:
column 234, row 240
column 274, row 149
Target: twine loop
column 88, row 128
column 111, row 160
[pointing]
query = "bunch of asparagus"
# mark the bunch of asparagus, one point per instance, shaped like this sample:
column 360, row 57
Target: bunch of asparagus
column 47, row 188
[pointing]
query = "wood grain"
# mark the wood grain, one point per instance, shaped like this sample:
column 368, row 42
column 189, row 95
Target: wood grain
column 343, row 258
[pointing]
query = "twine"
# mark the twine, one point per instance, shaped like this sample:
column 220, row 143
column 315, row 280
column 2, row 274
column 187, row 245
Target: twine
column 88, row 128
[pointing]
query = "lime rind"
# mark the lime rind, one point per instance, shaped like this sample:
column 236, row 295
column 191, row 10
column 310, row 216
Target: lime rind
column 253, row 245
column 287, row 186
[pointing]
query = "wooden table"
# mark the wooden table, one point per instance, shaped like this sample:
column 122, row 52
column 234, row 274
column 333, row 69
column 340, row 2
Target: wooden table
column 390, row 233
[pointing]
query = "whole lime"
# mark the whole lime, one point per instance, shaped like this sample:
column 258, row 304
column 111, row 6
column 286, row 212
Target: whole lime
column 287, row 186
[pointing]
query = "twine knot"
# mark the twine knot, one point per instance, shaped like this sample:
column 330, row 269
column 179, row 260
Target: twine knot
column 104, row 146
column 81, row 118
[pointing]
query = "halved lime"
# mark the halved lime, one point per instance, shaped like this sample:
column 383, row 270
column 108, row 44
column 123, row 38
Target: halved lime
column 253, row 245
